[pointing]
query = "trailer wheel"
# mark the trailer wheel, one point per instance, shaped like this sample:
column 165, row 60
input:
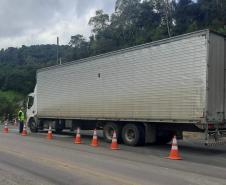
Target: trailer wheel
column 164, row 136
column 33, row 125
column 109, row 129
column 133, row 134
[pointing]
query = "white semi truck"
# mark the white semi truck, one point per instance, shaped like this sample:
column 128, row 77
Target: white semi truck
column 146, row 93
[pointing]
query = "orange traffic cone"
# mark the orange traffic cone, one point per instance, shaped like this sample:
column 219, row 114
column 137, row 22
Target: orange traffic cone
column 114, row 143
column 77, row 138
column 6, row 129
column 174, row 153
column 24, row 132
column 94, row 142
column 50, row 134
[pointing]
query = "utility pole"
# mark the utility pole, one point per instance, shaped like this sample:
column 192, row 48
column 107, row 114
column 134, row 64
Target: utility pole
column 167, row 9
column 57, row 50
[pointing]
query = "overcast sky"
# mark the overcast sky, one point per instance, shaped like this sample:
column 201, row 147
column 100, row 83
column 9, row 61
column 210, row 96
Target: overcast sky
column 29, row 22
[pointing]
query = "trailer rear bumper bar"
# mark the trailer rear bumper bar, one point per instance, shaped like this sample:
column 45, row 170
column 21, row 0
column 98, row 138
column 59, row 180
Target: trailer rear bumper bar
column 215, row 137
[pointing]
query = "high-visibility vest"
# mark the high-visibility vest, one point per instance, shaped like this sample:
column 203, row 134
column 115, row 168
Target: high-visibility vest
column 20, row 115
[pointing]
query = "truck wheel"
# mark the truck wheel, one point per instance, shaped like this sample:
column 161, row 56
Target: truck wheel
column 59, row 126
column 164, row 136
column 133, row 134
column 108, row 131
column 33, row 125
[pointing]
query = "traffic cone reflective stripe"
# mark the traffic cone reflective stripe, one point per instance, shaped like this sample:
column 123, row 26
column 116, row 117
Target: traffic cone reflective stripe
column 24, row 132
column 114, row 143
column 50, row 134
column 174, row 153
column 77, row 139
column 6, row 129
column 94, row 142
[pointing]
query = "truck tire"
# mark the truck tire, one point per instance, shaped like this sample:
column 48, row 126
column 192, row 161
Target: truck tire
column 164, row 136
column 33, row 125
column 108, row 132
column 59, row 126
column 133, row 135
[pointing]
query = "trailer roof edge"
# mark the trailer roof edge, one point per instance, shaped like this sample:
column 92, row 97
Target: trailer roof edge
column 154, row 43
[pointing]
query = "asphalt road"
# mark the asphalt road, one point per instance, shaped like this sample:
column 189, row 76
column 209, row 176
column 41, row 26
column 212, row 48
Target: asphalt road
column 35, row 160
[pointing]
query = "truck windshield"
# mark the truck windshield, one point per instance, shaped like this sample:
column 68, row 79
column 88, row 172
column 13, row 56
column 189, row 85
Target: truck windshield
column 30, row 102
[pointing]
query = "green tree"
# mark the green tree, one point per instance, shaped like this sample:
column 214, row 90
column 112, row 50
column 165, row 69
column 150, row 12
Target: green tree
column 186, row 16
column 10, row 102
column 99, row 22
column 77, row 41
column 81, row 48
column 213, row 14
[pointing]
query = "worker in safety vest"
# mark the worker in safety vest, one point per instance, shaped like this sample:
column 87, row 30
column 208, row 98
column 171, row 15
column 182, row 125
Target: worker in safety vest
column 21, row 120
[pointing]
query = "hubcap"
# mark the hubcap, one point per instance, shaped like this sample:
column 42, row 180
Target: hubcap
column 130, row 135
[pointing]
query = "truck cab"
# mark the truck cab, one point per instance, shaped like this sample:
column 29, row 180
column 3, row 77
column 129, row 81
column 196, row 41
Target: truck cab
column 31, row 112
